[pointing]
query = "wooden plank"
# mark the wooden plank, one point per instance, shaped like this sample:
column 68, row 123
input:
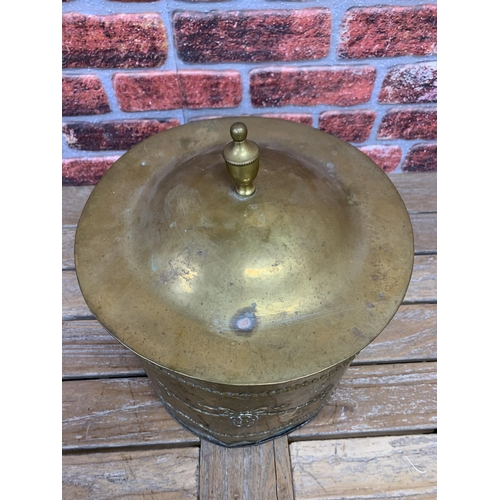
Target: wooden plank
column 422, row 288
column 419, row 192
column 244, row 472
column 368, row 468
column 160, row 474
column 117, row 412
column 424, row 230
column 370, row 399
column 73, row 201
column 378, row 399
column 73, row 303
column 423, row 283
column 68, row 244
column 90, row 351
column 410, row 336
column 283, row 466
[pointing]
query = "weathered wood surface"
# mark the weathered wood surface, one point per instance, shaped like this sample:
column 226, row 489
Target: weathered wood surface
column 423, row 283
column 366, row 468
column 134, row 475
column 370, row 399
column 89, row 351
column 73, row 201
column 424, row 229
column 378, row 399
column 422, row 288
column 419, row 192
column 246, row 473
column 73, row 303
column 115, row 413
column 68, row 244
column 424, row 232
column 410, row 336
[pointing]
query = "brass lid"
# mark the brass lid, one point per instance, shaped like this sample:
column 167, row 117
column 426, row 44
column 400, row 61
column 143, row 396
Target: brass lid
column 271, row 287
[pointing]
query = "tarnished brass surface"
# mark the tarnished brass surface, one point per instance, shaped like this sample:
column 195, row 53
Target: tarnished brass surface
column 235, row 415
column 242, row 160
column 244, row 296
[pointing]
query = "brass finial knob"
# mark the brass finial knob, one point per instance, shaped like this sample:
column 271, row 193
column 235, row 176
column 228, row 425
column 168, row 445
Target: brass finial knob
column 242, row 159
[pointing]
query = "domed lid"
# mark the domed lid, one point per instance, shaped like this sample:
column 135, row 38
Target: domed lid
column 255, row 289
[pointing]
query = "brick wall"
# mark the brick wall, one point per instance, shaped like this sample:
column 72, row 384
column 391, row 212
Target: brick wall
column 359, row 70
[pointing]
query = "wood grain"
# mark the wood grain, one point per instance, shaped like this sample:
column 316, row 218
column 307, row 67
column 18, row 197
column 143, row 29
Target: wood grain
column 247, row 472
column 419, row 192
column 89, row 351
column 73, row 303
column 282, row 463
column 115, row 413
column 370, row 399
column 423, row 283
column 422, row 288
column 73, row 201
column 424, row 230
column 68, row 244
column 410, row 336
column 378, row 399
column 135, row 475
column 367, row 468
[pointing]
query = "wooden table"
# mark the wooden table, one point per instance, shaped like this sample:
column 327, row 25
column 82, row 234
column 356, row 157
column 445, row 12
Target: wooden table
column 375, row 438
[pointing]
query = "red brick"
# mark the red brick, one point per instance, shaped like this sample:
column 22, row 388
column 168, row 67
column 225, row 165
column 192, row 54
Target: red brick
column 353, row 126
column 85, row 171
column 112, row 135
column 83, row 95
column 162, row 90
column 388, row 31
column 304, row 118
column 386, row 157
column 339, row 86
column 252, row 35
column 421, row 158
column 409, row 124
column 116, row 41
column 410, row 83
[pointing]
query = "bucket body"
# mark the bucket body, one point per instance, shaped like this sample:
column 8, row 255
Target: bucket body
column 235, row 415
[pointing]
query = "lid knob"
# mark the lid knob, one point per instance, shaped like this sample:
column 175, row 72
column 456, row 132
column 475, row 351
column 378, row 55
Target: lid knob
column 242, row 159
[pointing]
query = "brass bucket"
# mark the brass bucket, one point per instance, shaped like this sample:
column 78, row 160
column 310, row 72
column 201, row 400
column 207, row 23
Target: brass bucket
column 246, row 274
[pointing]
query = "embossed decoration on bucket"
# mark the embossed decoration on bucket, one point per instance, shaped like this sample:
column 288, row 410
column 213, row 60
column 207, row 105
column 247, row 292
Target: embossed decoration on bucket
column 246, row 261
